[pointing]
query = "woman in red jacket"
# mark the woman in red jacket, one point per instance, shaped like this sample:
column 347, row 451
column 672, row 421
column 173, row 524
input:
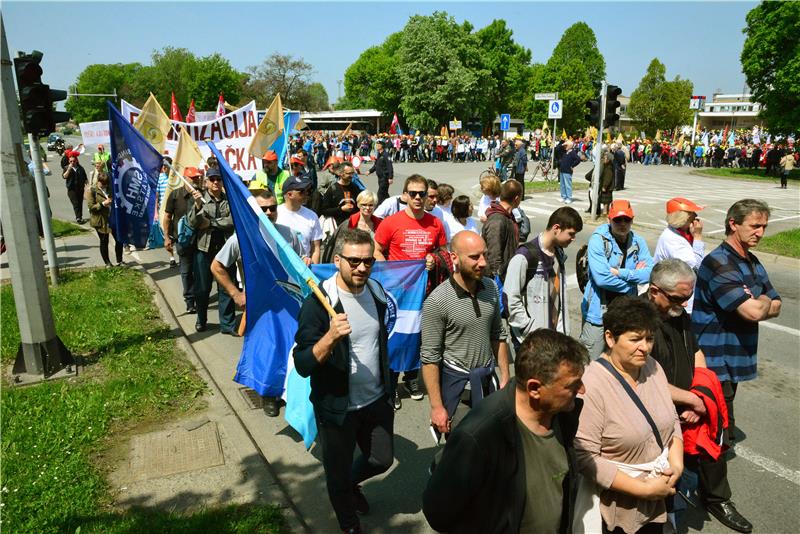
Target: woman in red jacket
column 363, row 219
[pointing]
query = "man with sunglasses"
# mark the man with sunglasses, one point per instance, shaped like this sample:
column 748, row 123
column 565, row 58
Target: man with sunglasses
column 300, row 219
column 210, row 217
column 348, row 361
column 619, row 261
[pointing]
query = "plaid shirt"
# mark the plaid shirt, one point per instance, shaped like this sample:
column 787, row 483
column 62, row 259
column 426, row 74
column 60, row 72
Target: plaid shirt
column 726, row 280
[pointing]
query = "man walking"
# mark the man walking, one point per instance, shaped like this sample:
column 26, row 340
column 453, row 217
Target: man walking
column 339, row 200
column 619, row 261
column 300, row 219
column 500, row 231
column 568, row 162
column 672, row 284
column 520, row 163
column 536, row 281
column 463, row 335
column 383, row 168
column 75, row 179
column 510, row 466
column 619, row 167
column 347, row 359
column 269, row 176
column 733, row 295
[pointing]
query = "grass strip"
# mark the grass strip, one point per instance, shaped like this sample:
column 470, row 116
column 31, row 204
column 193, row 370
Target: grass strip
column 783, row 243
column 744, row 174
column 553, row 185
column 54, row 432
column 65, row 229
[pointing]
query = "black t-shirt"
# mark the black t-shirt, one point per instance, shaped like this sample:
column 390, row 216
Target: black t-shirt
column 674, row 348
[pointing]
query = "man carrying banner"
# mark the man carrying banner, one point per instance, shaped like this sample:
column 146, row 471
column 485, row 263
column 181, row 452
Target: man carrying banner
column 210, row 217
column 348, row 362
column 176, row 206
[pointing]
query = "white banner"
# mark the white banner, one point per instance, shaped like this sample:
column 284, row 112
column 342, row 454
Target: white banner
column 231, row 133
column 96, row 133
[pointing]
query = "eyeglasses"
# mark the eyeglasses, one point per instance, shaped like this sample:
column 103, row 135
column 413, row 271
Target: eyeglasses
column 420, row 194
column 622, row 220
column 355, row 262
column 673, row 299
column 265, row 209
column 366, row 205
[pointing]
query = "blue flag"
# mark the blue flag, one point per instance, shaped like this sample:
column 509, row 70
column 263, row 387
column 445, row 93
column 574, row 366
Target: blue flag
column 135, row 166
column 281, row 144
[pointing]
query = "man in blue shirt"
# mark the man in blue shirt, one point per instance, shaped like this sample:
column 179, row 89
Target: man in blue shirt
column 568, row 162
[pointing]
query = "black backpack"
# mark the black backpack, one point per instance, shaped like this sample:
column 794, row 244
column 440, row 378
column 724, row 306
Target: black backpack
column 582, row 260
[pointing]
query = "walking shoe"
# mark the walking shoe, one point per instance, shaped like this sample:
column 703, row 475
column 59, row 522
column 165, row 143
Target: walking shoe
column 190, row 309
column 271, row 406
column 397, row 402
column 413, row 389
column 726, row 513
column 172, row 262
column 201, row 327
column 569, row 201
column 359, row 501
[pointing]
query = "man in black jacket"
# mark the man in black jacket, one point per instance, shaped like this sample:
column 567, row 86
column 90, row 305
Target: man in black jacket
column 75, row 180
column 347, row 359
column 383, row 167
column 509, row 466
column 339, row 200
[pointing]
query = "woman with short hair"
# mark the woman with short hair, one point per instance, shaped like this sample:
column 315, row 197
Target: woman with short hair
column 363, row 219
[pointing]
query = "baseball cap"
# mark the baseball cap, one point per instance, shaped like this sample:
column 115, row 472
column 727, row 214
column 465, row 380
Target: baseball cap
column 682, row 204
column 213, row 171
column 270, row 155
column 297, row 158
column 620, row 208
column 296, row 183
column 191, row 172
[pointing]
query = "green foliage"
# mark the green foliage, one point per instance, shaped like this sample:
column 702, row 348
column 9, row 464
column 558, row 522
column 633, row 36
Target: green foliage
column 784, row 243
column 100, row 79
column 315, row 97
column 578, row 43
column 771, row 62
column 64, row 228
column 284, row 74
column 214, row 75
column 51, row 431
column 372, row 81
column 658, row 104
column 441, row 72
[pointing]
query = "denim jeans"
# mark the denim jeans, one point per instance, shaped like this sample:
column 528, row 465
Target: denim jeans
column 566, row 185
column 186, row 265
column 202, row 289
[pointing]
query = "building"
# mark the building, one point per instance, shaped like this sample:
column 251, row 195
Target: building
column 732, row 110
column 368, row 120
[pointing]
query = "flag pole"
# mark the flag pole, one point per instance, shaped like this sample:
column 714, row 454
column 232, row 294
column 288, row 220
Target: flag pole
column 186, row 182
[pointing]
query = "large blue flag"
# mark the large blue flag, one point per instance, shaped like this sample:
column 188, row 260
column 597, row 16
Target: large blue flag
column 276, row 283
column 281, row 144
column 135, row 165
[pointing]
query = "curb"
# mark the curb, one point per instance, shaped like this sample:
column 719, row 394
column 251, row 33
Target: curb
column 168, row 315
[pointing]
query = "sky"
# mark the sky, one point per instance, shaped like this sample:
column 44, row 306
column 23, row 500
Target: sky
column 700, row 41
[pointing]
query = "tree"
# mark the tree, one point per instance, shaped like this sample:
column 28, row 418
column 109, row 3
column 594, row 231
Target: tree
column 441, row 72
column 658, row 104
column 172, row 71
column 99, row 79
column 771, row 63
column 372, row 81
column 578, row 42
column 314, row 97
column 214, row 75
column 279, row 73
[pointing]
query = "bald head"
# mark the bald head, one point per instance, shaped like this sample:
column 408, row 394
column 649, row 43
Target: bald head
column 468, row 252
column 465, row 241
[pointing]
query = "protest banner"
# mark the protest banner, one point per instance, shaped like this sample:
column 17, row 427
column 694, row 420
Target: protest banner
column 95, row 133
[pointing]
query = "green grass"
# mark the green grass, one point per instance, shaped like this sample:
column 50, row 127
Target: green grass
column 544, row 187
column 54, row 433
column 744, row 174
column 65, row 229
column 784, row 243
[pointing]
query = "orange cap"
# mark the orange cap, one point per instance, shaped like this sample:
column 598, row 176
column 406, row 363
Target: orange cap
column 191, row 172
column 270, row 155
column 682, row 204
column 620, row 208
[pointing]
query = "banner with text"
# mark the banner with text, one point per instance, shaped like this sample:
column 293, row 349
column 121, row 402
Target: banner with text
column 95, row 133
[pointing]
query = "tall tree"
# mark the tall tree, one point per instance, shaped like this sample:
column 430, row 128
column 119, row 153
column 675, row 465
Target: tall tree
column 372, row 80
column 441, row 72
column 771, row 62
column 658, row 104
column 578, row 42
column 214, row 75
column 172, row 71
column 102, row 79
column 509, row 64
column 314, row 98
column 279, row 73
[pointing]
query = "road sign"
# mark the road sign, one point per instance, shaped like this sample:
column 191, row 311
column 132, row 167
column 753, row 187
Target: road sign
column 455, row 125
column 545, row 96
column 554, row 109
column 505, row 122
column 697, row 102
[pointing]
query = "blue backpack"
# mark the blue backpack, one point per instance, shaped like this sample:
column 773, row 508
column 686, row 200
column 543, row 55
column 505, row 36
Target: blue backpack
column 185, row 233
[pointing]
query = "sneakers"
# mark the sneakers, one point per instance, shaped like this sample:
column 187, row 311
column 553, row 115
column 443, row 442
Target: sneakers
column 201, row 327
column 397, row 402
column 359, row 501
column 413, row 389
column 172, row 262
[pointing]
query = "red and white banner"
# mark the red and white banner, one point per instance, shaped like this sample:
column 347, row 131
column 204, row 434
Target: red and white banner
column 96, row 133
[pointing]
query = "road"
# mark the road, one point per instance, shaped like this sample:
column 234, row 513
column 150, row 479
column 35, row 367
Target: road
column 765, row 472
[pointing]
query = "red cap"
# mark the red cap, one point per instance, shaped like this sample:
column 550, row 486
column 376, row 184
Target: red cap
column 682, row 204
column 270, row 155
column 620, row 208
column 192, row 172
column 297, row 158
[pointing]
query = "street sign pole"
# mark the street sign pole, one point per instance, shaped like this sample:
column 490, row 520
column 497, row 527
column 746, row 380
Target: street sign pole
column 41, row 353
column 553, row 144
column 595, row 196
column 44, row 210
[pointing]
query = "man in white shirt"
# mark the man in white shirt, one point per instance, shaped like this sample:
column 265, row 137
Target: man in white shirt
column 300, row 219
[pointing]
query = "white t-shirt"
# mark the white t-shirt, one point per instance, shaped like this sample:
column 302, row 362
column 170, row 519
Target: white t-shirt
column 452, row 226
column 390, row 206
column 304, row 223
column 483, row 205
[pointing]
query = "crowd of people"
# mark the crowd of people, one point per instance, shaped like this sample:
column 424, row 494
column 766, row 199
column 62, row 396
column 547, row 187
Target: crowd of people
column 593, row 434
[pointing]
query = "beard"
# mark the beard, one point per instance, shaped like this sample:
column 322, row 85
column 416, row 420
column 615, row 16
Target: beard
column 675, row 312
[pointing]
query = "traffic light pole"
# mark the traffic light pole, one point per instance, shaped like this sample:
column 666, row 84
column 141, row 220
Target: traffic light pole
column 597, row 152
column 41, row 353
column 44, row 210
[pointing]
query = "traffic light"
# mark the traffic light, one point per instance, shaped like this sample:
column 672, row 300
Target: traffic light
column 611, row 116
column 36, row 98
column 594, row 111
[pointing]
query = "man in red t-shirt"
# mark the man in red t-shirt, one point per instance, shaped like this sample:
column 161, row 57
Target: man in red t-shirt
column 411, row 234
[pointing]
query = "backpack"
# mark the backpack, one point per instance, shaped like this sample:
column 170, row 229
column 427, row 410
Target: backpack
column 582, row 260
column 186, row 234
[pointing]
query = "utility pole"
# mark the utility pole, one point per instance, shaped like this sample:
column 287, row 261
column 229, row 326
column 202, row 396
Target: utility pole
column 44, row 210
column 597, row 150
column 41, row 353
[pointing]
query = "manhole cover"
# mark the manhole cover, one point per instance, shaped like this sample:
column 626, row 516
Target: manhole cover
column 164, row 453
column 253, row 400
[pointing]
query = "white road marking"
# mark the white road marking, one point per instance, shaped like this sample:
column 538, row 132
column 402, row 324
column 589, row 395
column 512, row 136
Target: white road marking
column 780, row 328
column 768, row 464
column 771, row 221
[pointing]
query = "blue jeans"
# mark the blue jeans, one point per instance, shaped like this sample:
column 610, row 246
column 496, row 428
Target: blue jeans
column 565, row 179
column 202, row 289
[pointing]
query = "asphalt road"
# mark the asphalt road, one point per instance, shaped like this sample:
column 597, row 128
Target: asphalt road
column 765, row 471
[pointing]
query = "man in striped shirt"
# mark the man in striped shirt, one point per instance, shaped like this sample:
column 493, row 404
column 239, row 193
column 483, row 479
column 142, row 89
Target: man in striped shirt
column 733, row 293
column 463, row 336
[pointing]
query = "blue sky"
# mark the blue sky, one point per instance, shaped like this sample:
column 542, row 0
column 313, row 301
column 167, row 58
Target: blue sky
column 700, row 41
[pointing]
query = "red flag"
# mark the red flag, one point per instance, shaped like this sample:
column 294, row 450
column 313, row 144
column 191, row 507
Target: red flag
column 221, row 106
column 190, row 115
column 395, row 125
column 175, row 112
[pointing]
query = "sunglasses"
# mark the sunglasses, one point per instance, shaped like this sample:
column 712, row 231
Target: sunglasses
column 265, row 209
column 214, row 179
column 355, row 262
column 621, row 220
column 673, row 299
column 420, row 194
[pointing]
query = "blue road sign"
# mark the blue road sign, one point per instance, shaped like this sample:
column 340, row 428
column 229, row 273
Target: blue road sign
column 505, row 121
